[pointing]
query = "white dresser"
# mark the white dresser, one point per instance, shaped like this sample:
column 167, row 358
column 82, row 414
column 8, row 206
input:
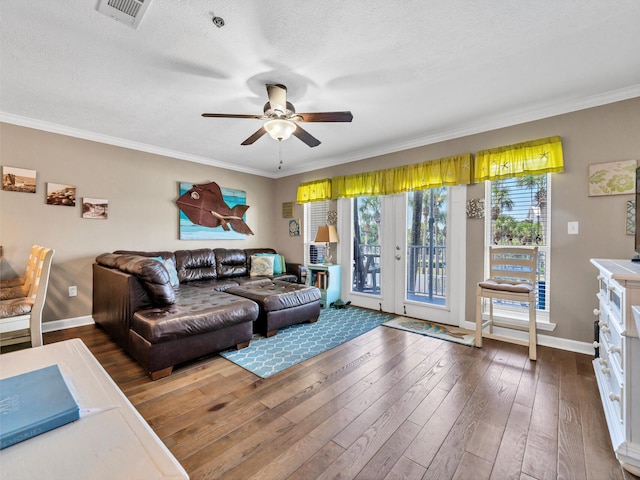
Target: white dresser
column 618, row 368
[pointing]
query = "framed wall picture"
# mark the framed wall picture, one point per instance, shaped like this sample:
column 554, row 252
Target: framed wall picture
column 631, row 217
column 61, row 194
column 95, row 208
column 287, row 209
column 294, row 227
column 227, row 199
column 18, row 180
column 613, row 178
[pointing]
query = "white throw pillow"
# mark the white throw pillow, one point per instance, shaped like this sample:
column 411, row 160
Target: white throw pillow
column 261, row 266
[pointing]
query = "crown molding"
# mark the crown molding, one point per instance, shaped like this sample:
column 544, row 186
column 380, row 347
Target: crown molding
column 542, row 111
column 120, row 142
column 547, row 110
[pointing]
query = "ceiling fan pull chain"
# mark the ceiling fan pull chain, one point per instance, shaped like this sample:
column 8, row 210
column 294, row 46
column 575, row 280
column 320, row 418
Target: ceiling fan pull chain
column 280, row 155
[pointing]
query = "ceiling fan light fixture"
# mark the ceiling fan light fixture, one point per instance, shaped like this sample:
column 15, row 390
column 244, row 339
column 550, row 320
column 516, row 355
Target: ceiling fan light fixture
column 280, row 129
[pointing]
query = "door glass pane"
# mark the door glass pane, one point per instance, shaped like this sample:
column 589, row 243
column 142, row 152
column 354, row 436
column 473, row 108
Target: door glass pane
column 366, row 244
column 426, row 246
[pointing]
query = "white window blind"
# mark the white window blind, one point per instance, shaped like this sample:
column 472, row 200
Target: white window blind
column 315, row 215
column 518, row 213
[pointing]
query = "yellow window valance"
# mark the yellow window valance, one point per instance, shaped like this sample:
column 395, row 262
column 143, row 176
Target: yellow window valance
column 535, row 157
column 447, row 171
column 314, row 191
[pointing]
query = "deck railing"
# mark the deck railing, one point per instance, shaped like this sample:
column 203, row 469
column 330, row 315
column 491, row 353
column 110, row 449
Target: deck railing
column 426, row 272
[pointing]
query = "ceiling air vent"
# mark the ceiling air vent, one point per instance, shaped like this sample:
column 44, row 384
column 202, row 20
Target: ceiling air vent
column 129, row 12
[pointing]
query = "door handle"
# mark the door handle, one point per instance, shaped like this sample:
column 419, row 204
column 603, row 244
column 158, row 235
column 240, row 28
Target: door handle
column 398, row 257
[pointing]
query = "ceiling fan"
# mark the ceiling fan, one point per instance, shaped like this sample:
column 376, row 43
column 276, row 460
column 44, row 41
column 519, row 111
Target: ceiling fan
column 283, row 121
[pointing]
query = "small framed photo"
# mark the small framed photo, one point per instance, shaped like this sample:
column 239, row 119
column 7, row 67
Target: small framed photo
column 18, row 180
column 294, row 228
column 287, row 209
column 60, row 194
column 95, row 208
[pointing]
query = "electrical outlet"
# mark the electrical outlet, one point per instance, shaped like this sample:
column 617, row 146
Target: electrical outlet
column 73, row 291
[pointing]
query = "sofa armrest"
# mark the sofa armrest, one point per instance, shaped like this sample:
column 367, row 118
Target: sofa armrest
column 299, row 270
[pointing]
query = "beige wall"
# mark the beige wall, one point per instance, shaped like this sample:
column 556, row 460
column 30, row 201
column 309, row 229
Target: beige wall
column 596, row 135
column 141, row 189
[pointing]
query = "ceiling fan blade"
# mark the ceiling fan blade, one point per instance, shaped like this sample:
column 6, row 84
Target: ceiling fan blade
column 231, row 115
column 261, row 131
column 326, row 117
column 277, row 97
column 306, row 137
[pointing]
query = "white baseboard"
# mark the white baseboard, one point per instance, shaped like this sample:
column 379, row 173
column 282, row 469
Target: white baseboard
column 546, row 340
column 56, row 325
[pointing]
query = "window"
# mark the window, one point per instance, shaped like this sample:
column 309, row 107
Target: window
column 520, row 214
column 315, row 215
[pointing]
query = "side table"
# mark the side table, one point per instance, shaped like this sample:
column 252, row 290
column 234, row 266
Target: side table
column 327, row 279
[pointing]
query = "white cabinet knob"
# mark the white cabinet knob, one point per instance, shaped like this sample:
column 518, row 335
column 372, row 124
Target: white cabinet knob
column 606, row 371
column 609, row 287
column 605, row 329
column 600, row 277
column 603, row 324
column 615, row 349
column 596, row 344
column 603, row 362
column 613, row 397
column 596, row 312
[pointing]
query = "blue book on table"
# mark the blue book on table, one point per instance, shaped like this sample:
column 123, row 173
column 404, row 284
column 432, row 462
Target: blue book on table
column 34, row 403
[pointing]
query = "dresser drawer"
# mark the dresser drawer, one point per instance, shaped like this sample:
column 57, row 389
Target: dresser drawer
column 611, row 339
column 610, row 384
column 610, row 351
column 616, row 348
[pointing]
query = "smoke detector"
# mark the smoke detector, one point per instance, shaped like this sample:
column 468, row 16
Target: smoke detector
column 129, row 12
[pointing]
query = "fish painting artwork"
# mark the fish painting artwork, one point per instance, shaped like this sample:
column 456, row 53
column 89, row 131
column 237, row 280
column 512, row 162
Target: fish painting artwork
column 204, row 205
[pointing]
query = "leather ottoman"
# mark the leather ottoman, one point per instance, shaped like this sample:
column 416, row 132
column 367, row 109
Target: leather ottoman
column 198, row 323
column 281, row 304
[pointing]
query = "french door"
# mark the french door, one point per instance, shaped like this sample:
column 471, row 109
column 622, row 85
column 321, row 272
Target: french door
column 406, row 253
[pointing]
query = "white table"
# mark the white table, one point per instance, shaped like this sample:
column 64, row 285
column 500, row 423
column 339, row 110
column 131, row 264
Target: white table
column 113, row 443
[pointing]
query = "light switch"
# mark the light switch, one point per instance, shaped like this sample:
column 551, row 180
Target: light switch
column 573, row 228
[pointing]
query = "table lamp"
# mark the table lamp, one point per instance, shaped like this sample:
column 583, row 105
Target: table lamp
column 327, row 234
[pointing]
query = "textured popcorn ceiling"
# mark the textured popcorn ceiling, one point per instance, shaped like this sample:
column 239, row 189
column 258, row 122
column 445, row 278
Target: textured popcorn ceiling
column 412, row 72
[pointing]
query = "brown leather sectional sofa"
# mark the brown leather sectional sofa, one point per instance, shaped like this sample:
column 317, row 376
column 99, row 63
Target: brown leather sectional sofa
column 216, row 305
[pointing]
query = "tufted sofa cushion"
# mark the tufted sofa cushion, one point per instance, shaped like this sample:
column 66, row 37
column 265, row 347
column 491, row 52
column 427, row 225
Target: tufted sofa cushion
column 197, row 264
column 231, row 262
column 152, row 274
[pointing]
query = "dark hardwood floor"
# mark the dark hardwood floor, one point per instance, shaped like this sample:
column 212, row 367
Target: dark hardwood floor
column 389, row 405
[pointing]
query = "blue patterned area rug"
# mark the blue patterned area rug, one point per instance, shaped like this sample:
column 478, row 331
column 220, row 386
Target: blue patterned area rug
column 267, row 356
column 443, row 332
